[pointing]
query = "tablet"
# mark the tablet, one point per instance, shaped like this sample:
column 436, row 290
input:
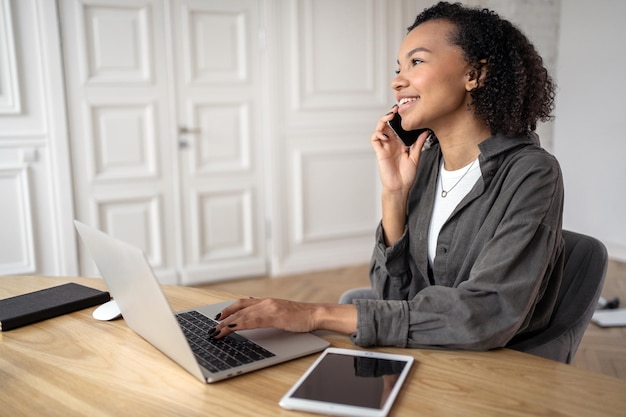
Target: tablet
column 346, row 382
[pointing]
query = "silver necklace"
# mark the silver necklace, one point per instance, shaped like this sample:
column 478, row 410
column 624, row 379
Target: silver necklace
column 444, row 193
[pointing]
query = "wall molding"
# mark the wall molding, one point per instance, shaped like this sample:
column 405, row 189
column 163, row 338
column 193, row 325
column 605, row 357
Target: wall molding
column 16, row 188
column 10, row 99
column 311, row 163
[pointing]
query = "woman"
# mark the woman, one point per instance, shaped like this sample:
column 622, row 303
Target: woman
column 468, row 252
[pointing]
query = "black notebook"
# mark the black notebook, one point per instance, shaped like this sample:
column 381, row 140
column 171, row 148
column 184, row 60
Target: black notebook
column 44, row 304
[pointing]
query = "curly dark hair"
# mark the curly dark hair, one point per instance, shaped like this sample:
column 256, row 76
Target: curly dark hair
column 516, row 90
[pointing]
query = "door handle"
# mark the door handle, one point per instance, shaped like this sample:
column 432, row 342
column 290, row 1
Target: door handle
column 184, row 130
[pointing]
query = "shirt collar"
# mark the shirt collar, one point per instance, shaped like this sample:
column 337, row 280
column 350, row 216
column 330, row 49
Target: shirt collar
column 498, row 144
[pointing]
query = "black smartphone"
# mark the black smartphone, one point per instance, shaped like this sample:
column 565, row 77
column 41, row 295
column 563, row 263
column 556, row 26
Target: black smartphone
column 407, row 136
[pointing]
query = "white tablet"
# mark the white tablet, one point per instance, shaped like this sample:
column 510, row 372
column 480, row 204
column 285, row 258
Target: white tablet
column 346, row 382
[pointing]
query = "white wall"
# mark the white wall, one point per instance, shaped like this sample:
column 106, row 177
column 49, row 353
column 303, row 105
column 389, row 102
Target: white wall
column 590, row 125
column 586, row 59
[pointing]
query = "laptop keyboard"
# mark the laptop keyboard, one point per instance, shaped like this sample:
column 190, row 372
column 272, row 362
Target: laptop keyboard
column 218, row 354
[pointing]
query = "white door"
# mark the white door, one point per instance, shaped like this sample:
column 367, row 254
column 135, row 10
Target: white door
column 217, row 56
column 150, row 85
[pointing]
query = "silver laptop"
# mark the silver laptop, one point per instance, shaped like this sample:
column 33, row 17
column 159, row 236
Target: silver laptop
column 145, row 309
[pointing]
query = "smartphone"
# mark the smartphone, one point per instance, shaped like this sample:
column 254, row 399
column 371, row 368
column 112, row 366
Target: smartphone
column 407, row 136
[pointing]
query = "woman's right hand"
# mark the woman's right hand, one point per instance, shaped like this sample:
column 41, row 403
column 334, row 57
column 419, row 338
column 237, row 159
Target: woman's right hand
column 397, row 163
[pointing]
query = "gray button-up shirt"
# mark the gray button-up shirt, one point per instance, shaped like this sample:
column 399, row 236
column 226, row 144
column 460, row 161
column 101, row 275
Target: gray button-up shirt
column 498, row 263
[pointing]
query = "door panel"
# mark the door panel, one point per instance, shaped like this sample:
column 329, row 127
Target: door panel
column 217, row 56
column 120, row 125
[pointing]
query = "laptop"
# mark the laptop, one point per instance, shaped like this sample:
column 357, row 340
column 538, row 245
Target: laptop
column 182, row 336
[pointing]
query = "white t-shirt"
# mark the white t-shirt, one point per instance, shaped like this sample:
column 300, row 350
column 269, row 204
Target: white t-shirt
column 457, row 184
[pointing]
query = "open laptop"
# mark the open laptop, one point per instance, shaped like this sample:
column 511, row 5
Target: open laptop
column 145, row 309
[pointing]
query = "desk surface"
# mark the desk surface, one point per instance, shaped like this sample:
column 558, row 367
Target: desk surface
column 75, row 365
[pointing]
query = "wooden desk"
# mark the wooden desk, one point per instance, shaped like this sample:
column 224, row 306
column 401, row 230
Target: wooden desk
column 75, row 365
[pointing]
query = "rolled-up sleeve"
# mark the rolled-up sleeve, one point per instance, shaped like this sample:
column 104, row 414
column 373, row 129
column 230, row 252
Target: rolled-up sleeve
column 385, row 321
column 382, row 323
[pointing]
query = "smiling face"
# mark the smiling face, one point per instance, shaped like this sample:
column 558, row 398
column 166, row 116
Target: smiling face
column 433, row 82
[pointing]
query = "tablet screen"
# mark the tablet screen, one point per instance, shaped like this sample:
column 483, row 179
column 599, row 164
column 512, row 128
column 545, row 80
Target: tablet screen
column 351, row 379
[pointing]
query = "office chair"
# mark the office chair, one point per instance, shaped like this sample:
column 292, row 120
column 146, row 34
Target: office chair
column 585, row 264
column 586, row 261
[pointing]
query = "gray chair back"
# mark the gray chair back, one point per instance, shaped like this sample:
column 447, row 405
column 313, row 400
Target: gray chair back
column 586, row 261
